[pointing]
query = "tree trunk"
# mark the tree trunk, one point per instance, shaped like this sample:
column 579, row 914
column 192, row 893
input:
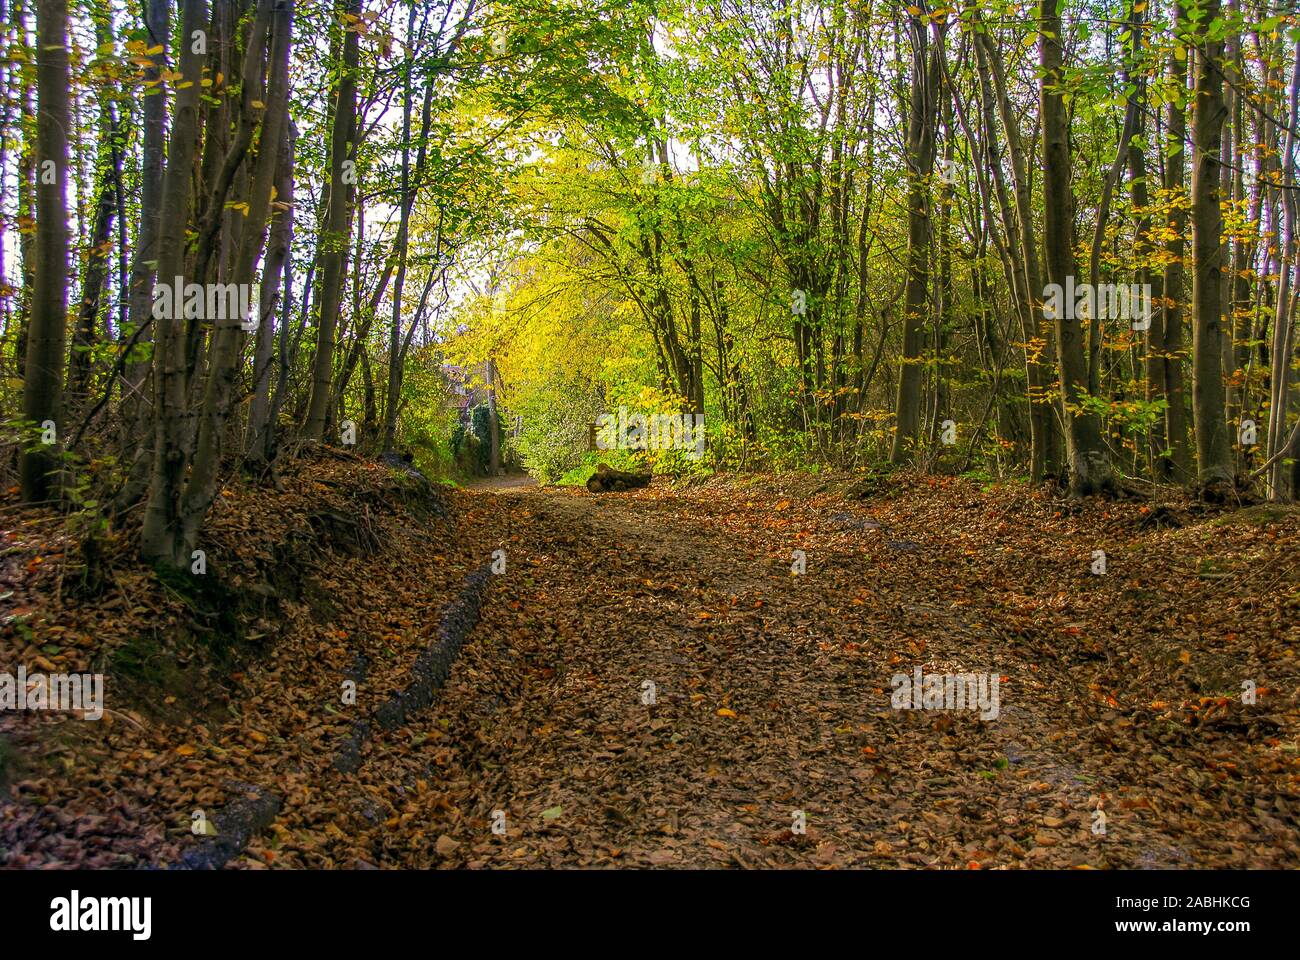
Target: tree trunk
column 1214, row 456
column 494, row 427
column 1038, row 362
column 290, row 338
column 1178, row 465
column 920, row 167
column 1144, row 240
column 157, row 15
column 335, row 232
column 26, row 175
column 161, row 535
column 8, row 79
column 274, row 17
column 1088, row 463
column 43, row 379
column 403, row 242
column 1284, row 320
column 259, row 443
column 95, row 276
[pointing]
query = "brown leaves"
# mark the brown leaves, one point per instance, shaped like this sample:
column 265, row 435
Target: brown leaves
column 771, row 691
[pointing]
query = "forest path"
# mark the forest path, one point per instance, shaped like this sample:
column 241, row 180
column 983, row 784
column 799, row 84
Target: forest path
column 509, row 481
column 1120, row 691
column 772, row 693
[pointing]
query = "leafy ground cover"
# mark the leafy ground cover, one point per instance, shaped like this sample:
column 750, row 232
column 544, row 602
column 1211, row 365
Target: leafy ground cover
column 653, row 684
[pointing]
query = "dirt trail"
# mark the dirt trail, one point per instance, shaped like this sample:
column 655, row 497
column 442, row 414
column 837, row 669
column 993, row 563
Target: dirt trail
column 772, row 699
column 651, row 684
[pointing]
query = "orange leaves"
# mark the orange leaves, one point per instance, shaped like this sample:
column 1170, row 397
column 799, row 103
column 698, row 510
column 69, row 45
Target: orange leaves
column 1103, row 695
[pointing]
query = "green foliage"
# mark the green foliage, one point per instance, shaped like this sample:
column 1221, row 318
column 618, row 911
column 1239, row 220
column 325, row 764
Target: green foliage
column 426, row 425
column 618, row 459
column 554, row 438
column 1130, row 417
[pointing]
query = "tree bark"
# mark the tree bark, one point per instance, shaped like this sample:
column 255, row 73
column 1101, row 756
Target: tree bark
column 43, row 377
column 1284, row 319
column 403, row 241
column 259, row 442
column 1088, row 463
column 161, row 535
column 1044, row 446
column 1178, row 465
column 275, row 17
column 157, row 15
column 1213, row 454
column 95, row 274
column 335, row 230
column 920, row 167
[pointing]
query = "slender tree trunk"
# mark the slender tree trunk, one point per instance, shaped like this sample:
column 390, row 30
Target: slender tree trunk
column 161, row 536
column 26, row 201
column 1237, row 290
column 494, row 427
column 1213, row 454
column 258, row 442
column 920, row 167
column 335, row 231
column 157, row 15
column 290, row 336
column 7, row 78
column 1044, row 435
column 1178, row 465
column 95, row 275
column 1144, row 239
column 1089, row 465
column 274, row 17
column 43, row 379
column 1284, row 321
column 1130, row 129
column 403, row 238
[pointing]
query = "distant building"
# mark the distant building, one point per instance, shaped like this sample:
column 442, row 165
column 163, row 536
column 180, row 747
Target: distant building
column 468, row 388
